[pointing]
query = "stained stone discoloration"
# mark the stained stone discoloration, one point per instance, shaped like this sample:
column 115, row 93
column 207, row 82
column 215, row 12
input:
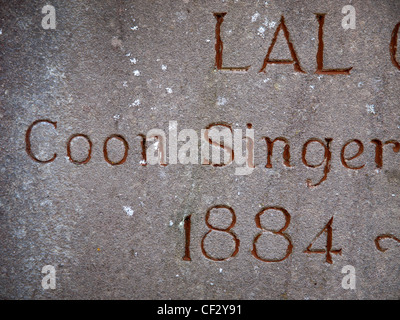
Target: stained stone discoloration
column 125, row 67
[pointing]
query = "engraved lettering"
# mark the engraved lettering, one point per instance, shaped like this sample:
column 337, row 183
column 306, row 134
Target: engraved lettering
column 270, row 149
column 393, row 46
column 320, row 52
column 383, row 237
column 379, row 150
column 28, row 140
column 105, row 150
column 279, row 232
column 214, row 141
column 187, row 226
column 359, row 152
column 328, row 230
column 227, row 230
column 295, row 61
column 219, row 46
column 69, row 149
column 327, row 159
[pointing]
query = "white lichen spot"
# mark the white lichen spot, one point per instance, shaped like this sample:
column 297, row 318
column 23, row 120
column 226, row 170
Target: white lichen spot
column 116, row 117
column 136, row 73
column 125, row 84
column 254, row 17
column 261, row 31
column 312, row 86
column 221, row 101
column 128, row 211
column 171, row 223
column 163, row 67
column 54, row 72
column 371, row 108
column 133, row 60
column 169, row 90
column 135, row 103
column 272, row 24
column 220, row 270
column 134, row 28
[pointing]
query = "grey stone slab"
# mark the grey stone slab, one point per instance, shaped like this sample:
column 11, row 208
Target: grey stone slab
column 113, row 69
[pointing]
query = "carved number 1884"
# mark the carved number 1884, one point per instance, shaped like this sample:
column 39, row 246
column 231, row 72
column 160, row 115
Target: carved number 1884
column 328, row 251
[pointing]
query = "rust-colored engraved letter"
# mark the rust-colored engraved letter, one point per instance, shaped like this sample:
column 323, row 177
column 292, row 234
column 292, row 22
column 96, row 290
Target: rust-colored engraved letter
column 121, row 138
column 382, row 237
column 360, row 151
column 295, row 61
column 279, row 232
column 219, row 46
column 226, row 145
column 393, row 46
column 143, row 162
column 379, row 150
column 69, row 149
column 270, row 149
column 328, row 229
column 28, row 140
column 187, row 226
column 327, row 159
column 227, row 230
column 320, row 52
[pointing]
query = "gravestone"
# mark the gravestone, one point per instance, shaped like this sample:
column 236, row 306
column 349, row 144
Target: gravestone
column 200, row 149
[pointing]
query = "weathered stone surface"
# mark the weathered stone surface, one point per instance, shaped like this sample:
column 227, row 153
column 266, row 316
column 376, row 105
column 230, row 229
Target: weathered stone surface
column 125, row 67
